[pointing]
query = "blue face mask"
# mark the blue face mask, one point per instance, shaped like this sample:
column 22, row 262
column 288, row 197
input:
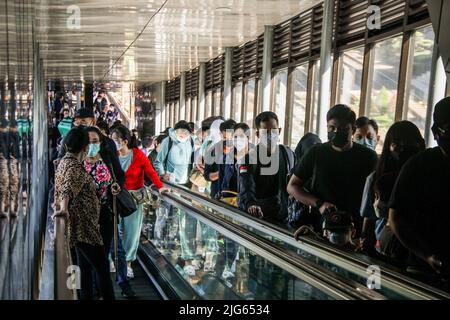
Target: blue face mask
column 94, row 149
column 366, row 142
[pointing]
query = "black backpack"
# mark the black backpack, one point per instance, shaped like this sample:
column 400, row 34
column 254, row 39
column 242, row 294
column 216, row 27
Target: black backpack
column 298, row 213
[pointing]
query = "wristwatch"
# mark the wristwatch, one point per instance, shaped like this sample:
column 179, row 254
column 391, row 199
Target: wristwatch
column 319, row 203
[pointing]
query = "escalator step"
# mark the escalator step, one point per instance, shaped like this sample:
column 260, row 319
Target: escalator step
column 141, row 285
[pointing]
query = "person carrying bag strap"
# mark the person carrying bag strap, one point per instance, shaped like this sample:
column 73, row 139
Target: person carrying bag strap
column 125, row 202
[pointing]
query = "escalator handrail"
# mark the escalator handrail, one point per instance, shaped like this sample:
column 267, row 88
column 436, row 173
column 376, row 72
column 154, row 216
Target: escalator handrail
column 126, row 120
column 62, row 262
column 391, row 279
column 317, row 276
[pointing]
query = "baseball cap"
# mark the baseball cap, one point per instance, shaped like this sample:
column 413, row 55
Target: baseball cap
column 336, row 220
column 84, row 113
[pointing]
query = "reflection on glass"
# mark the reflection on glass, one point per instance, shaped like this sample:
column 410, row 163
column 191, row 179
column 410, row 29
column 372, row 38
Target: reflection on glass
column 237, row 102
column 217, row 267
column 15, row 169
column 315, row 97
column 299, row 92
column 383, row 83
column 350, row 77
column 279, row 95
column 418, row 80
column 208, row 104
column 249, row 102
column 218, row 102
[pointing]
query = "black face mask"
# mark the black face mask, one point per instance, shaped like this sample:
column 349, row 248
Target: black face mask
column 339, row 138
column 404, row 153
column 443, row 138
column 444, row 143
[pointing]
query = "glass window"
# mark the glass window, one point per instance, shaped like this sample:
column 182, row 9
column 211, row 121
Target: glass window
column 177, row 112
column 188, row 109
column 237, row 102
column 218, row 102
column 418, row 80
column 315, row 97
column 249, row 102
column 258, row 97
column 350, row 77
column 163, row 118
column 383, row 82
column 299, row 92
column 279, row 95
column 208, row 104
column 172, row 114
column 194, row 109
column 182, row 114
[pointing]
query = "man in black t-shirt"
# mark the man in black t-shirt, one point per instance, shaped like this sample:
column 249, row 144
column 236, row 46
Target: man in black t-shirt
column 419, row 206
column 263, row 175
column 335, row 171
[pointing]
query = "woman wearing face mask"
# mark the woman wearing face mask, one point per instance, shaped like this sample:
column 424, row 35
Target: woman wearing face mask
column 403, row 140
column 76, row 199
column 135, row 164
column 98, row 165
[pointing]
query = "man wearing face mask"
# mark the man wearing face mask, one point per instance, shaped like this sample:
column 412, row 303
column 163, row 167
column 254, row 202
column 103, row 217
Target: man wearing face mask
column 337, row 168
column 366, row 132
column 263, row 175
column 175, row 157
column 419, row 204
column 219, row 160
column 85, row 117
column 338, row 228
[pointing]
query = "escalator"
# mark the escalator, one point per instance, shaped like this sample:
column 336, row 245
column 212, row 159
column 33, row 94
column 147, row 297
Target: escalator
column 197, row 248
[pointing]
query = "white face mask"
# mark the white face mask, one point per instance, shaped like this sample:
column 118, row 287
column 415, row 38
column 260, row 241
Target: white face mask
column 240, row 144
column 118, row 146
column 381, row 209
column 339, row 238
column 182, row 140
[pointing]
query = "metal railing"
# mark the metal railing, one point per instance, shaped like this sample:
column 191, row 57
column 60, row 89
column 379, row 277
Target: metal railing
column 336, row 286
column 393, row 280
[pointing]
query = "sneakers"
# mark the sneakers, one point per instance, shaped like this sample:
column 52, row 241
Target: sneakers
column 127, row 291
column 130, row 274
column 112, row 267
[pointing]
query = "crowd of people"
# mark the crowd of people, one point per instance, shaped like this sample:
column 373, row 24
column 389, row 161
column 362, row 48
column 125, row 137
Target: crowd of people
column 390, row 206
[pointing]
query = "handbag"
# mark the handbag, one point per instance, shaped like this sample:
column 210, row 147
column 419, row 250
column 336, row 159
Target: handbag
column 198, row 179
column 126, row 204
column 140, row 196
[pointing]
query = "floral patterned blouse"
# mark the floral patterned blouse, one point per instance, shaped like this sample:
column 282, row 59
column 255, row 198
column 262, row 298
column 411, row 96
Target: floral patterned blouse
column 74, row 183
column 102, row 178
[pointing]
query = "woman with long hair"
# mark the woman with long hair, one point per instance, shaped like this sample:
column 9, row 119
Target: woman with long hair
column 403, row 141
column 135, row 164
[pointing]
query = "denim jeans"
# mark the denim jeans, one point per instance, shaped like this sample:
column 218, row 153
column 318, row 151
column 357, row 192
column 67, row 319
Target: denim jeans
column 107, row 232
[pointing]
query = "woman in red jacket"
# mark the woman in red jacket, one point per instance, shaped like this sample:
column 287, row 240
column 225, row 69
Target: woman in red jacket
column 135, row 164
